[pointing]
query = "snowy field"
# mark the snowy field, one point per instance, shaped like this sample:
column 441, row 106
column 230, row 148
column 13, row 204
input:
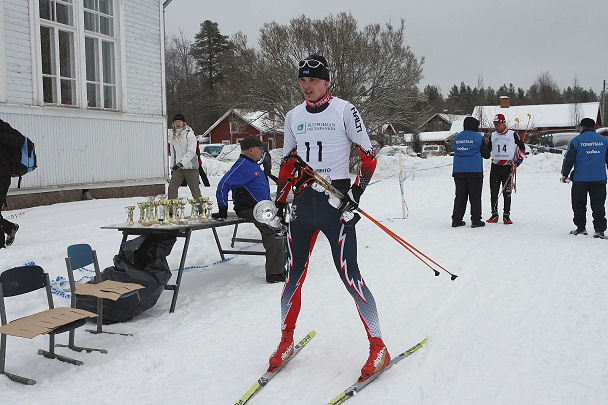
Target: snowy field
column 524, row 323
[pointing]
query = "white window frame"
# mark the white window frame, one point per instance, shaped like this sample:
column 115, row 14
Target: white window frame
column 80, row 56
column 3, row 79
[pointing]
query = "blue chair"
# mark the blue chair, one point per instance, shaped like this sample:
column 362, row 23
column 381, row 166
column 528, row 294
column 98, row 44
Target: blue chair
column 21, row 280
column 79, row 256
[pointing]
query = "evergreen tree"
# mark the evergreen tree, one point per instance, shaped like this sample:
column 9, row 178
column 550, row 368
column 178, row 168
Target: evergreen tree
column 209, row 50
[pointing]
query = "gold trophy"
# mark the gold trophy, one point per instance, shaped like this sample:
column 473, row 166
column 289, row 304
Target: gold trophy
column 130, row 210
column 182, row 210
column 141, row 212
column 165, row 205
column 174, row 218
column 192, row 203
column 203, row 207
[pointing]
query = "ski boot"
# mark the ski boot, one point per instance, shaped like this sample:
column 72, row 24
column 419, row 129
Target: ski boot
column 599, row 235
column 493, row 219
column 283, row 352
column 578, row 231
column 507, row 220
column 378, row 359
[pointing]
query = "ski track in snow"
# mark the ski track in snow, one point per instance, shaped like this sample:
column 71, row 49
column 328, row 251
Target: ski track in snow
column 524, row 323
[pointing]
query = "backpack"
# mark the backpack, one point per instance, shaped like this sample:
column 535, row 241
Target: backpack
column 27, row 162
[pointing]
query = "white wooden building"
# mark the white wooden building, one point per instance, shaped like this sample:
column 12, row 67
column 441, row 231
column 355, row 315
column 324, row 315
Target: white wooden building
column 84, row 79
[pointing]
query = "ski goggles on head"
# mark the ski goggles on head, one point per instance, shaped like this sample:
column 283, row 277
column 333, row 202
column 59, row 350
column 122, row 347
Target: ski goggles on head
column 311, row 63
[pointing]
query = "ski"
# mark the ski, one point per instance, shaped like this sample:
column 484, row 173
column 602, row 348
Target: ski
column 267, row 376
column 359, row 385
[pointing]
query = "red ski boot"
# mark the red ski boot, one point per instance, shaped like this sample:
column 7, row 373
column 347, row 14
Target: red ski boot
column 283, row 352
column 378, row 358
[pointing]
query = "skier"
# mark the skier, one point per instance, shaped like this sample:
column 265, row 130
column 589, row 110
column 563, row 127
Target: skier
column 469, row 149
column 503, row 144
column 587, row 154
column 321, row 131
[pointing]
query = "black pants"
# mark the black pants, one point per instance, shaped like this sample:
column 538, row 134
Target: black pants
column 500, row 176
column 597, row 195
column 5, row 225
column 275, row 247
column 467, row 188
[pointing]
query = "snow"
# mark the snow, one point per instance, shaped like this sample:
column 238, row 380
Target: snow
column 541, row 115
column 524, row 323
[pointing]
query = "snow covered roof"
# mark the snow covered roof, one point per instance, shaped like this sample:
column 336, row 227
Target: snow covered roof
column 435, row 136
column 542, row 115
column 446, row 117
column 260, row 120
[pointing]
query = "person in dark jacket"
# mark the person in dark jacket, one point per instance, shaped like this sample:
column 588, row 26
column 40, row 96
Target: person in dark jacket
column 249, row 186
column 11, row 142
column 587, row 154
column 267, row 165
column 469, row 149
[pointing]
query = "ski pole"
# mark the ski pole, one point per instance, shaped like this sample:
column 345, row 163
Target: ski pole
column 417, row 253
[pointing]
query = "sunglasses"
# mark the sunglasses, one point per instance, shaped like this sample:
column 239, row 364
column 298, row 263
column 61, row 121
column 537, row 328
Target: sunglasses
column 311, row 63
column 498, row 123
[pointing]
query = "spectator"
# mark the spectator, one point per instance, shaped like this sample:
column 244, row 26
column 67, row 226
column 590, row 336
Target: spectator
column 11, row 142
column 183, row 156
column 587, row 154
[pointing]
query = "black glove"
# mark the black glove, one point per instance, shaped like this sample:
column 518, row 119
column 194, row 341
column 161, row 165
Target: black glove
column 221, row 214
column 350, row 201
column 281, row 211
column 177, row 166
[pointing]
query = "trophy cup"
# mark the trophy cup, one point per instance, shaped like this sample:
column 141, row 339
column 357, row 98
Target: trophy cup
column 182, row 210
column 165, row 205
column 141, row 212
column 209, row 205
column 174, row 213
column 192, row 203
column 203, row 207
column 130, row 210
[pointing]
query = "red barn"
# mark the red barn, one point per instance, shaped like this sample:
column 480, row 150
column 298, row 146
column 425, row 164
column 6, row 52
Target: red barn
column 236, row 124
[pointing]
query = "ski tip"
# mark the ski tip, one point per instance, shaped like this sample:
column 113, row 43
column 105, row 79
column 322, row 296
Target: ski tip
column 453, row 277
column 436, row 273
column 424, row 341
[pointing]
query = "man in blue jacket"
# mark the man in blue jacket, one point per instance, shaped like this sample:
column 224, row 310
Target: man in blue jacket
column 587, row 154
column 249, row 185
column 469, row 149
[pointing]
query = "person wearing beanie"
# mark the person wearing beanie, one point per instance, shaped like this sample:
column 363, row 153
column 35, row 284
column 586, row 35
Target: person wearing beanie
column 248, row 185
column 585, row 162
column 507, row 152
column 322, row 131
column 184, row 160
column 470, row 148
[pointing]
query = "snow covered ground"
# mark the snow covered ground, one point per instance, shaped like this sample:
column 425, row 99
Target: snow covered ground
column 524, row 323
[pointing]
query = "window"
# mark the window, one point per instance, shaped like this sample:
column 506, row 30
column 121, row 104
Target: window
column 100, row 54
column 58, row 36
column 57, row 51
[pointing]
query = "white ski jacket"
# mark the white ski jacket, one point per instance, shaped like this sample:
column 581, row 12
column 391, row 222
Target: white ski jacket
column 183, row 148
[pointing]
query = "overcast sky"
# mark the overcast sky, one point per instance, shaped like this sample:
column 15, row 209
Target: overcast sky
column 507, row 41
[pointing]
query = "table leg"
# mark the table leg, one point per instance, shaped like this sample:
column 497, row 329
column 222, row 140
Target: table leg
column 219, row 245
column 181, row 270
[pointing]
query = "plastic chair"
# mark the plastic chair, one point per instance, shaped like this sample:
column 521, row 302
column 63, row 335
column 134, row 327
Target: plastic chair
column 21, row 280
column 79, row 256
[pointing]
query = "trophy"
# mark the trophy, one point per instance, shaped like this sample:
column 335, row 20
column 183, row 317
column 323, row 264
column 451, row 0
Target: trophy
column 165, row 205
column 209, row 205
column 203, row 207
column 130, row 210
column 141, row 212
column 182, row 210
column 173, row 211
column 192, row 203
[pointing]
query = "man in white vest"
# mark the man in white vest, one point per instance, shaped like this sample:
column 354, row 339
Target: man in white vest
column 321, row 131
column 504, row 144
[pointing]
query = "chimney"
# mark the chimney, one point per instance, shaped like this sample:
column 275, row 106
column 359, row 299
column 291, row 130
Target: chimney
column 505, row 102
column 271, row 115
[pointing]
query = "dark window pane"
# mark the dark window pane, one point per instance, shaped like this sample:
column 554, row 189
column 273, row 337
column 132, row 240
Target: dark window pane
column 106, row 26
column 92, row 95
column 66, row 54
column 90, row 4
column 68, row 92
column 109, row 97
column 48, row 90
column 107, row 54
column 92, row 61
column 45, row 9
column 64, row 13
column 105, row 6
column 47, row 49
column 90, row 22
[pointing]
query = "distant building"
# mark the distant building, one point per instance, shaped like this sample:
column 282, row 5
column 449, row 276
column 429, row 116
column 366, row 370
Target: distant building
column 440, row 122
column 544, row 118
column 85, row 81
column 236, row 124
column 428, row 138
